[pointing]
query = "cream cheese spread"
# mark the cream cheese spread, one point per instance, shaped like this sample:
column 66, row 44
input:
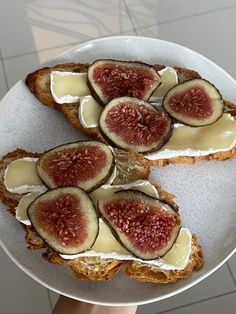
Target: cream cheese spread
column 68, row 87
column 199, row 141
column 21, row 176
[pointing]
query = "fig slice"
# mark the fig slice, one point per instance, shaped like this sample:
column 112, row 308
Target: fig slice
column 145, row 226
column 87, row 164
column 195, row 102
column 109, row 79
column 65, row 218
column 135, row 125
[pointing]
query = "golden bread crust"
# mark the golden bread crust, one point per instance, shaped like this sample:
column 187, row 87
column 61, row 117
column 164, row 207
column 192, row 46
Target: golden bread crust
column 38, row 83
column 8, row 198
column 92, row 268
column 138, row 169
column 87, row 268
column 220, row 156
column 146, row 273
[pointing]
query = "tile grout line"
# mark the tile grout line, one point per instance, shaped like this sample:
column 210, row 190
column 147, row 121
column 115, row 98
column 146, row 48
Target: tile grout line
column 4, row 70
column 196, row 302
column 186, row 17
column 130, row 16
column 231, row 274
column 61, row 46
column 122, row 32
column 49, row 299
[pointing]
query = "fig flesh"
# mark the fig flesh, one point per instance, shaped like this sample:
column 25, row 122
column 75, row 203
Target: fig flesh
column 145, row 226
column 195, row 102
column 65, row 218
column 87, row 164
column 109, row 79
column 135, row 125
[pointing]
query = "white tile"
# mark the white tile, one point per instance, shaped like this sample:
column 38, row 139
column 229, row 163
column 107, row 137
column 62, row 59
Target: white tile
column 18, row 292
column 149, row 12
column 54, row 297
column 225, row 304
column 232, row 265
column 43, row 24
column 210, row 34
column 18, row 67
column 218, row 283
column 3, row 86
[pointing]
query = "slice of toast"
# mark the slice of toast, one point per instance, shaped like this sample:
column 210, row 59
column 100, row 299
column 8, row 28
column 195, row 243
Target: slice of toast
column 130, row 167
column 95, row 268
column 146, row 273
column 39, row 84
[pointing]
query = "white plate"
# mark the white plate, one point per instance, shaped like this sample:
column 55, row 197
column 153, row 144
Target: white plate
column 206, row 191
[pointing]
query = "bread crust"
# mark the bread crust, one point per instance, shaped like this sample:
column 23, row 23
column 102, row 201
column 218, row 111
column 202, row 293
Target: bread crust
column 145, row 273
column 95, row 268
column 39, row 84
column 130, row 167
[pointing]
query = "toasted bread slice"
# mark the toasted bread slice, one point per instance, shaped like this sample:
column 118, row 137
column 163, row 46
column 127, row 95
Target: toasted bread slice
column 39, row 84
column 148, row 273
column 95, row 268
column 87, row 268
column 130, row 167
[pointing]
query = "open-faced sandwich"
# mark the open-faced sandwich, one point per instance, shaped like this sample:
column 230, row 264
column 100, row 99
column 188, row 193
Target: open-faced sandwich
column 93, row 208
column 168, row 114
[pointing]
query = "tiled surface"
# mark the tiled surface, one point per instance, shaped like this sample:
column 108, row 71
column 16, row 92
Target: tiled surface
column 32, row 31
column 42, row 24
column 3, row 86
column 53, row 297
column 232, row 266
column 19, row 293
column 214, row 42
column 224, row 304
column 149, row 12
column 18, row 67
column 203, row 291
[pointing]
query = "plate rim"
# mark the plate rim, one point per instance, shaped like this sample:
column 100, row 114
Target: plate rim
column 158, row 298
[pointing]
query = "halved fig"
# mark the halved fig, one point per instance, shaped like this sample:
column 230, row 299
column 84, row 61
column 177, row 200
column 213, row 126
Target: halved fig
column 87, row 164
column 109, row 79
column 65, row 218
column 135, row 125
column 195, row 102
column 145, row 226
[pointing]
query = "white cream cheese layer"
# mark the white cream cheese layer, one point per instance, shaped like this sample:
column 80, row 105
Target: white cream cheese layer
column 89, row 112
column 199, row 141
column 106, row 190
column 21, row 176
column 68, row 87
column 106, row 246
column 112, row 177
column 21, row 209
column 169, row 79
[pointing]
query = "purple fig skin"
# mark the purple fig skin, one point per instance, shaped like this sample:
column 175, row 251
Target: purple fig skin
column 94, row 187
column 45, row 240
column 116, row 235
column 97, row 97
column 162, row 142
column 176, row 120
